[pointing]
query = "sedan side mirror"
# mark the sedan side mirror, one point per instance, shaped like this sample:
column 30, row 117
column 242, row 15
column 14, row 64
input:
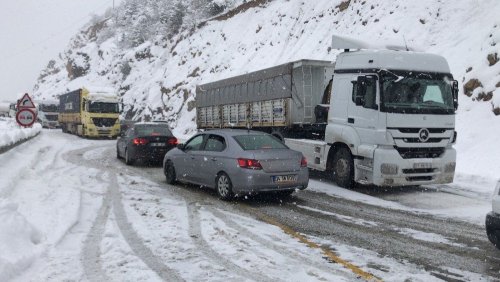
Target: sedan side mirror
column 180, row 147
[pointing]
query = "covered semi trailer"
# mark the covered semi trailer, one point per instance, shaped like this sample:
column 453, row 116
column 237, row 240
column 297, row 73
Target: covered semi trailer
column 282, row 100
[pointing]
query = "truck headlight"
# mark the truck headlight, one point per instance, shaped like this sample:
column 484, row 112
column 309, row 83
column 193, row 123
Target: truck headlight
column 449, row 167
column 389, row 169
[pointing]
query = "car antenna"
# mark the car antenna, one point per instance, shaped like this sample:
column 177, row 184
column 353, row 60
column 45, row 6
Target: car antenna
column 406, row 45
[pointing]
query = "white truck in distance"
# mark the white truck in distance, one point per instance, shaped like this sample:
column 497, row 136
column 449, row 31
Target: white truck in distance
column 381, row 117
column 48, row 113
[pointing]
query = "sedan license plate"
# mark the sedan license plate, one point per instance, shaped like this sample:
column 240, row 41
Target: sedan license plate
column 158, row 144
column 284, row 178
column 422, row 165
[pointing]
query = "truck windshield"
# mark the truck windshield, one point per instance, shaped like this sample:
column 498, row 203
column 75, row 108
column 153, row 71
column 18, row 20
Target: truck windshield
column 416, row 93
column 51, row 117
column 49, row 108
column 101, row 107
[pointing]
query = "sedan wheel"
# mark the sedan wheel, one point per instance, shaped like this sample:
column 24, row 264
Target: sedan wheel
column 494, row 237
column 170, row 173
column 128, row 160
column 224, row 186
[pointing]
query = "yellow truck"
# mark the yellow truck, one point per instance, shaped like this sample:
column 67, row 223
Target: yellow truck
column 90, row 112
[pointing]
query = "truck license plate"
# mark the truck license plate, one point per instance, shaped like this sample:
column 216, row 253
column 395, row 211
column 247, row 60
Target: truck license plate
column 422, row 165
column 284, row 178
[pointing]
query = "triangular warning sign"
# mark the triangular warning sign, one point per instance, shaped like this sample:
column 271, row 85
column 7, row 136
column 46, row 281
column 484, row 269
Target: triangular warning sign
column 25, row 102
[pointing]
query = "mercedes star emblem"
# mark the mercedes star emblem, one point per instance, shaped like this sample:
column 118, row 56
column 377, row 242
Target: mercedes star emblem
column 423, row 135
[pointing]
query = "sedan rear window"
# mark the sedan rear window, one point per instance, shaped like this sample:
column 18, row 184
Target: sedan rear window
column 259, row 142
column 152, row 130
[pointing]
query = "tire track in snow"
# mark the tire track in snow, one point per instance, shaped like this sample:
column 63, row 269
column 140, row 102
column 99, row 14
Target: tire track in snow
column 244, row 231
column 113, row 197
column 91, row 253
column 197, row 236
column 134, row 241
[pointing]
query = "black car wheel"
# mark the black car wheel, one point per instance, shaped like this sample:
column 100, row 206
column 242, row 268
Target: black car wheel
column 224, row 186
column 494, row 237
column 128, row 160
column 118, row 153
column 170, row 173
column 343, row 168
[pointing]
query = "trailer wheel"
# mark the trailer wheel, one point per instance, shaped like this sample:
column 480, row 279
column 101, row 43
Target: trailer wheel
column 343, row 168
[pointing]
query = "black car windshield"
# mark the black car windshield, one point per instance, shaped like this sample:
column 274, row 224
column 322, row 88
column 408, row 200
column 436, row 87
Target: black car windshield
column 416, row 93
column 259, row 142
column 152, row 130
column 101, row 107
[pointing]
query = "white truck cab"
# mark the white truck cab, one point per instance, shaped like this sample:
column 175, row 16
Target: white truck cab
column 48, row 113
column 493, row 219
column 391, row 119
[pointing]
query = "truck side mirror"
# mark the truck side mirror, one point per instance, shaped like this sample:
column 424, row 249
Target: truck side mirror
column 454, row 90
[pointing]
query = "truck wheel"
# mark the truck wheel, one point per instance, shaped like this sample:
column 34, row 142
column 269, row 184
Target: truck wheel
column 343, row 168
column 224, row 187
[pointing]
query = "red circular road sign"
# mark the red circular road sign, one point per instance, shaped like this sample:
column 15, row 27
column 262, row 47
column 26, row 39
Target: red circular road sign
column 25, row 117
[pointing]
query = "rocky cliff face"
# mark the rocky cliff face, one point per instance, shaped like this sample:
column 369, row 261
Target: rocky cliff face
column 155, row 53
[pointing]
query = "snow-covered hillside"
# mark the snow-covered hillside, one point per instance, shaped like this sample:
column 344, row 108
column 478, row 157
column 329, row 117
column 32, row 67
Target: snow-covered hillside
column 157, row 75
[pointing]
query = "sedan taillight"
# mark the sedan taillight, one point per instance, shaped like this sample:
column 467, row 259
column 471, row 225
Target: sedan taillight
column 303, row 162
column 249, row 163
column 140, row 141
column 172, row 141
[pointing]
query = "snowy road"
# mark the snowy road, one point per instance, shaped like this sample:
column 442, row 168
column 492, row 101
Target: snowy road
column 80, row 214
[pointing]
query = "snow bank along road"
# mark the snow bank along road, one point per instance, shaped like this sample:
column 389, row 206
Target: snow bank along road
column 75, row 212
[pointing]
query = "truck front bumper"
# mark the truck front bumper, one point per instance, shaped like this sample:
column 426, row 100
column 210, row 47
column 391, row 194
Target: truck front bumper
column 391, row 169
column 94, row 131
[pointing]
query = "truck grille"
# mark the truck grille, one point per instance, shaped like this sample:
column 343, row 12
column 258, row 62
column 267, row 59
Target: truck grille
column 420, row 153
column 411, row 136
column 104, row 122
column 416, row 130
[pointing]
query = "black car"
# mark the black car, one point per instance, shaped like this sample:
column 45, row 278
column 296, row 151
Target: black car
column 148, row 141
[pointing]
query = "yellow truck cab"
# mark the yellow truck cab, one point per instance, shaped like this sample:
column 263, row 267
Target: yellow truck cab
column 90, row 112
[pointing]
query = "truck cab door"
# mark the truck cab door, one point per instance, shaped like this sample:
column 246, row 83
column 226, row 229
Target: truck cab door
column 363, row 107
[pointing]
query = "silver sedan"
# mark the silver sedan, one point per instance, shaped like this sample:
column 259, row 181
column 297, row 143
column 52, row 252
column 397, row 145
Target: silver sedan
column 237, row 162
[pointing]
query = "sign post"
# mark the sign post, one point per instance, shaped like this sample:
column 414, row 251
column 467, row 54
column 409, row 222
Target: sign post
column 26, row 113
